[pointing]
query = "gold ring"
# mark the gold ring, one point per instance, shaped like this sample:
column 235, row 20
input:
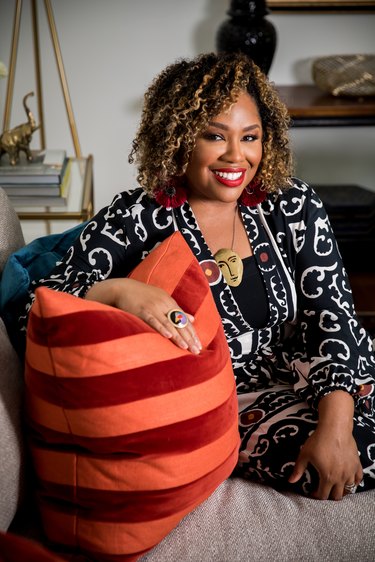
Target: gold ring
column 350, row 488
column 177, row 318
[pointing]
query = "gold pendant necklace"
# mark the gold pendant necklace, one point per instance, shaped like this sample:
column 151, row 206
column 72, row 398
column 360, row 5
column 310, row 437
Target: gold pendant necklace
column 229, row 261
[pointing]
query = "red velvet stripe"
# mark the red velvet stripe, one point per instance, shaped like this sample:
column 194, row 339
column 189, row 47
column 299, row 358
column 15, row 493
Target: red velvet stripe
column 179, row 437
column 186, row 290
column 132, row 384
column 133, row 507
column 95, row 326
column 102, row 325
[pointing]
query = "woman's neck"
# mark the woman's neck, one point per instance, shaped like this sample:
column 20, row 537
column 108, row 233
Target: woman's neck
column 221, row 226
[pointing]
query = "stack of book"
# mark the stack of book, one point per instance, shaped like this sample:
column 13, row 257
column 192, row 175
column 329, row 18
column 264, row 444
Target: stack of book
column 43, row 182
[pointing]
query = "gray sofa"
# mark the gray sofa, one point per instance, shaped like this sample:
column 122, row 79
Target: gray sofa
column 240, row 522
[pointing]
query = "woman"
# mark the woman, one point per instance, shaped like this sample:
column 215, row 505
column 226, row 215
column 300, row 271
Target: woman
column 214, row 162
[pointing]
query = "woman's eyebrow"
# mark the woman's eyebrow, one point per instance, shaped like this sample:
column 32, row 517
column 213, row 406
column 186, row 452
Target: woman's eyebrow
column 225, row 127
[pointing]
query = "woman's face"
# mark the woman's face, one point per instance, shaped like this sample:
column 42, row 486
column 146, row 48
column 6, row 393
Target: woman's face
column 227, row 154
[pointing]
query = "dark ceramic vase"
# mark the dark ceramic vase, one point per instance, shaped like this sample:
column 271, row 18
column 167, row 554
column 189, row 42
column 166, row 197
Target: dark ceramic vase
column 248, row 31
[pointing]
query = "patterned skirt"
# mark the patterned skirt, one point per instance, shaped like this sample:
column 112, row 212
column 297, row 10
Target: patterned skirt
column 274, row 424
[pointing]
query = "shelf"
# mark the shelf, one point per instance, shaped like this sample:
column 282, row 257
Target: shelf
column 79, row 205
column 39, row 221
column 310, row 107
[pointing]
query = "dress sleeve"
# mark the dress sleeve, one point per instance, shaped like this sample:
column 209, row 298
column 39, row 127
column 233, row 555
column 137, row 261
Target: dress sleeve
column 109, row 246
column 98, row 253
column 337, row 348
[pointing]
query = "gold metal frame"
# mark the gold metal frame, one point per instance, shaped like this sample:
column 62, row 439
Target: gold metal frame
column 60, row 67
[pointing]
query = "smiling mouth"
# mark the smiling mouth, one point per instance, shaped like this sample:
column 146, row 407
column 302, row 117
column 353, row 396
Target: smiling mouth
column 230, row 178
column 229, row 175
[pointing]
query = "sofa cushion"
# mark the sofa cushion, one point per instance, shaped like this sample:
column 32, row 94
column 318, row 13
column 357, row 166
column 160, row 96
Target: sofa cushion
column 11, row 445
column 30, row 263
column 244, row 521
column 129, row 432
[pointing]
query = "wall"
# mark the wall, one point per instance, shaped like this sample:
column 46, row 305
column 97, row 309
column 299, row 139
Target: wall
column 112, row 50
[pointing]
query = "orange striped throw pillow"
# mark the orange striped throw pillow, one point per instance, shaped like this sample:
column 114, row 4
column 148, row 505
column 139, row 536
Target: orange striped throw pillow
column 128, row 432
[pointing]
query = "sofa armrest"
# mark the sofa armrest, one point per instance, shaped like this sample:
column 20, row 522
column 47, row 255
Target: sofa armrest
column 11, row 237
column 11, row 443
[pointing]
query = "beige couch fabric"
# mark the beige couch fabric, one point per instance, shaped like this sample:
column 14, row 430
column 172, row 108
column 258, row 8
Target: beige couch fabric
column 11, row 237
column 247, row 522
column 10, row 430
column 11, row 384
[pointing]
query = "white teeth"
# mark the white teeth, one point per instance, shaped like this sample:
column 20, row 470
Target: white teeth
column 229, row 175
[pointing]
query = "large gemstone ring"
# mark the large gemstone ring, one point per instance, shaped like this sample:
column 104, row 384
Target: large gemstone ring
column 177, row 318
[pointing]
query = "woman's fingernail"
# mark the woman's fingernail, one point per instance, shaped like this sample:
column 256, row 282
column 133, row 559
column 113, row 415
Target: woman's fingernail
column 195, row 349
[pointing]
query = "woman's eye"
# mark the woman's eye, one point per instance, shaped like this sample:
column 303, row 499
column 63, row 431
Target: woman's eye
column 212, row 136
column 250, row 138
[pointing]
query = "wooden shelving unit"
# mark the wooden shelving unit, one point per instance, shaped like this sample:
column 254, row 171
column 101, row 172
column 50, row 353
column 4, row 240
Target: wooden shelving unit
column 310, row 107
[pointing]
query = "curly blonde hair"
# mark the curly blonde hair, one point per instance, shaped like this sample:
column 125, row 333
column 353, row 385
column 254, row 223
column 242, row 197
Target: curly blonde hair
column 188, row 94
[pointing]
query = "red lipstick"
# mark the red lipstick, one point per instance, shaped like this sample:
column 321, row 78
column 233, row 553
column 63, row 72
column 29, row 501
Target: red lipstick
column 230, row 177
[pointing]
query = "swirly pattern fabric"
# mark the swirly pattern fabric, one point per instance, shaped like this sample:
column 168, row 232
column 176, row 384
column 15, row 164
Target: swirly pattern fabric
column 311, row 344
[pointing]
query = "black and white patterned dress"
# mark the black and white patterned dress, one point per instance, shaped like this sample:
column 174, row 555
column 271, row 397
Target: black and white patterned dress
column 311, row 344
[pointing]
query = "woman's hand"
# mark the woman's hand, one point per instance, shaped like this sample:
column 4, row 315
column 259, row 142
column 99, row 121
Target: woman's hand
column 149, row 303
column 331, row 449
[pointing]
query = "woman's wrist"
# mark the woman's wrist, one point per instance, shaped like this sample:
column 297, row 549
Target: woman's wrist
column 336, row 410
column 104, row 292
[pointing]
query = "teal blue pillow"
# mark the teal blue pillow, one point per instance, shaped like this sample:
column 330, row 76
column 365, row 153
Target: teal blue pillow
column 30, row 263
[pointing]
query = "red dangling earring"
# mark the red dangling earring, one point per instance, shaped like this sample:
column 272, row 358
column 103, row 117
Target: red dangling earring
column 253, row 194
column 172, row 194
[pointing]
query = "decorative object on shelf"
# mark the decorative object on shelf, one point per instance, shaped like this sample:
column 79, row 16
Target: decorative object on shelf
column 60, row 68
column 46, row 168
column 18, row 139
column 345, row 75
column 48, row 207
column 44, row 181
column 248, row 31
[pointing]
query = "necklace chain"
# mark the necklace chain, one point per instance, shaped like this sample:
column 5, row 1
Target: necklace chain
column 229, row 261
column 234, row 228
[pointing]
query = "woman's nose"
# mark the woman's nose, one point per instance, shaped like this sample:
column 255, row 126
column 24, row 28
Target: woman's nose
column 234, row 152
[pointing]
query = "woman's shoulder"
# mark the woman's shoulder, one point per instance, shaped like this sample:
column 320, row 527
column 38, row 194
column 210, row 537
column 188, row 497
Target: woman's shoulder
column 134, row 209
column 296, row 188
column 133, row 196
column 298, row 194
column 131, row 203
column 297, row 203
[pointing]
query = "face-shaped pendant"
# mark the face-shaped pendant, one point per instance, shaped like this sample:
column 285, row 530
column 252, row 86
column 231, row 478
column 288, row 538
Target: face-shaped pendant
column 231, row 266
